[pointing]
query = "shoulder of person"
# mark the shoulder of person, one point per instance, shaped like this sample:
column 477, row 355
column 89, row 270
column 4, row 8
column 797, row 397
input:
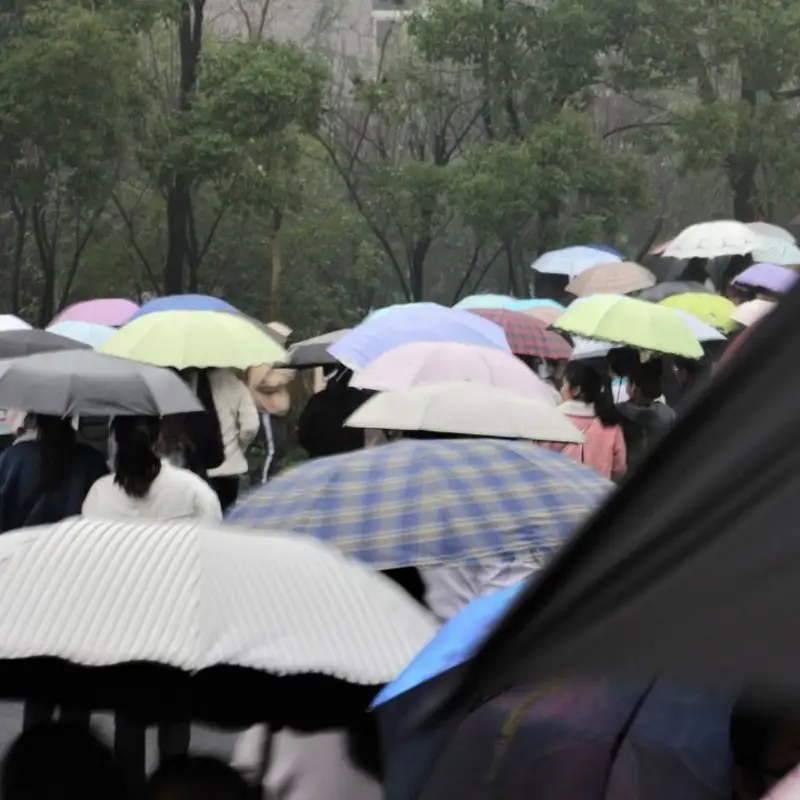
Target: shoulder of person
column 184, row 477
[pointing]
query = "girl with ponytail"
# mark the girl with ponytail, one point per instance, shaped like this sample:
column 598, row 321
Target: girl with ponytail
column 589, row 405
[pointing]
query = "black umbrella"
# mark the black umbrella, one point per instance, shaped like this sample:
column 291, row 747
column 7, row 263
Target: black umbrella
column 92, row 384
column 314, row 352
column 661, row 291
column 14, row 344
column 693, row 567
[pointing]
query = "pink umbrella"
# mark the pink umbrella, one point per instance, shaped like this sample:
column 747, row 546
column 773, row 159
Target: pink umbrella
column 113, row 311
column 787, row 789
column 425, row 363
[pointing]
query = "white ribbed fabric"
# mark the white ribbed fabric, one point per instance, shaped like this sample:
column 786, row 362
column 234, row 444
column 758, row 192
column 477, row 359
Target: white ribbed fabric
column 99, row 593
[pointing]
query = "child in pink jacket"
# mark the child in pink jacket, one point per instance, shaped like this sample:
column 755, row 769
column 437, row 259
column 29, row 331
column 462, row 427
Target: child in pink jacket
column 589, row 405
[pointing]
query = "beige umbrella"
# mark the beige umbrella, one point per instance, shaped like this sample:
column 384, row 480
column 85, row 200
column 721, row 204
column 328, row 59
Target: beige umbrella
column 547, row 314
column 466, row 408
column 622, row 278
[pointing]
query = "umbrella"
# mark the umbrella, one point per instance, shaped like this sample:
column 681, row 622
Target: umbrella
column 770, row 231
column 714, row 239
column 752, row 311
column 626, row 321
column 770, row 277
column 590, row 348
column 88, row 333
column 589, row 740
column 706, row 588
column 776, row 251
column 466, row 408
column 14, row 344
column 222, row 625
column 314, row 352
column 788, row 788
column 8, row 322
column 417, row 322
column 427, row 503
column 486, row 301
column 622, row 278
column 571, row 261
column 424, row 363
column 547, row 314
column 606, row 249
column 532, row 303
column 89, row 383
column 184, row 302
column 184, row 339
column 526, row 335
column 702, row 330
column 709, row 308
column 663, row 290
column 111, row 311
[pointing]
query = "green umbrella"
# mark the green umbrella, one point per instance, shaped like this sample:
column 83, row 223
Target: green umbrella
column 627, row 321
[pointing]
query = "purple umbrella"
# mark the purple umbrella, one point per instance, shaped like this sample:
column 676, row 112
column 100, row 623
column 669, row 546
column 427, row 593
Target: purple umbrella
column 415, row 322
column 111, row 311
column 770, row 277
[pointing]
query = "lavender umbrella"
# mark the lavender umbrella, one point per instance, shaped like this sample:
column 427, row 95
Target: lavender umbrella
column 417, row 322
column 113, row 311
column 771, row 277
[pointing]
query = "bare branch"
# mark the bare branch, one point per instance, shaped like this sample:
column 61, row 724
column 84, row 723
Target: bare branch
column 632, row 126
column 126, row 218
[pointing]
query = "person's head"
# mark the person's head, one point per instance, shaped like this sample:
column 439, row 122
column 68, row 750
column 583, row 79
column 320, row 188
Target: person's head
column 584, row 383
column 58, row 442
column 621, row 360
column 196, row 778
column 59, row 761
column 136, row 464
column 645, row 382
column 765, row 744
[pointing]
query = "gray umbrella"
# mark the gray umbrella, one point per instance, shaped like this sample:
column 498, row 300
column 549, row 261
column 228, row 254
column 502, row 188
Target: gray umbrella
column 92, row 384
column 314, row 352
column 14, row 344
column 661, row 291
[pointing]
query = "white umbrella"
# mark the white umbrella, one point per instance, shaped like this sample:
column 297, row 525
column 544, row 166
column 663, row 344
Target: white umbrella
column 771, row 231
column 95, row 593
column 589, row 348
column 702, row 330
column 572, row 261
column 465, row 408
column 752, row 311
column 776, row 251
column 8, row 322
column 714, row 239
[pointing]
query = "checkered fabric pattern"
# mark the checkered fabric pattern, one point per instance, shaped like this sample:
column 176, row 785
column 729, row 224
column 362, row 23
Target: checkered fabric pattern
column 527, row 335
column 429, row 502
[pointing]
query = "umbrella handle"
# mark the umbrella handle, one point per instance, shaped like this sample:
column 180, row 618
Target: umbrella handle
column 258, row 790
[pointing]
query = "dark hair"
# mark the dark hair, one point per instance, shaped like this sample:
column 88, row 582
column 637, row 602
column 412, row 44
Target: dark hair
column 595, row 388
column 196, row 778
column 136, row 465
column 58, row 442
column 647, row 378
column 60, row 761
column 623, row 360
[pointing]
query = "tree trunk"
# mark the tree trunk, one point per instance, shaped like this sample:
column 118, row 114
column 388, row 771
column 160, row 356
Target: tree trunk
column 276, row 266
column 744, row 167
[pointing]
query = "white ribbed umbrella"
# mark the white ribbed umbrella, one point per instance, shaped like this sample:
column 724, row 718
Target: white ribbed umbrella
column 713, row 239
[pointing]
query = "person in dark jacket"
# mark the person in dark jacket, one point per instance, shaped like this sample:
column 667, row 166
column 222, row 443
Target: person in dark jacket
column 45, row 478
column 644, row 418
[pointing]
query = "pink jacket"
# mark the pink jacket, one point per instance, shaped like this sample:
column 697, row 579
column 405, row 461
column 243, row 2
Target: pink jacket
column 604, row 449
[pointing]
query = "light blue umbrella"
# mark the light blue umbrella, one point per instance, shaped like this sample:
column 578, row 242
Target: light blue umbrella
column 90, row 333
column 415, row 322
column 487, row 301
column 454, row 644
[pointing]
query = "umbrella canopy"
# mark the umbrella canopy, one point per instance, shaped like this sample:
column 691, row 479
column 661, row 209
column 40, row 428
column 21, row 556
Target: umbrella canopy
column 788, row 788
column 531, row 303
column 427, row 503
column 526, row 335
column 770, row 277
column 425, row 363
column 314, row 352
column 590, row 348
column 198, row 613
column 663, row 290
column 622, row 278
column 113, row 311
column 184, row 302
column 776, row 251
column 771, row 231
column 709, row 308
column 89, row 383
column 184, row 339
column 626, row 321
column 8, row 322
column 14, row 344
column 486, row 301
column 417, row 322
column 702, row 330
column 707, row 587
column 547, row 314
column 466, row 408
column 752, row 311
column 714, row 239
column 88, row 333
column 572, row 261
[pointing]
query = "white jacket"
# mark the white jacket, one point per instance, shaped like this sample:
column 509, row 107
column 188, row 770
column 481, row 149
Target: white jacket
column 238, row 420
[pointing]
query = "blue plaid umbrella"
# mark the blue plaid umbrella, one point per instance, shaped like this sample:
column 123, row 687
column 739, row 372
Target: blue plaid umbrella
column 429, row 502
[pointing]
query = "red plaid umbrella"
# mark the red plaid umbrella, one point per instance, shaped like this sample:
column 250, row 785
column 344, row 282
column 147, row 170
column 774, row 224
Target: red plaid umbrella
column 527, row 336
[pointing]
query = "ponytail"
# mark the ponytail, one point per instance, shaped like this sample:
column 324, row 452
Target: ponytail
column 136, row 464
column 595, row 388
